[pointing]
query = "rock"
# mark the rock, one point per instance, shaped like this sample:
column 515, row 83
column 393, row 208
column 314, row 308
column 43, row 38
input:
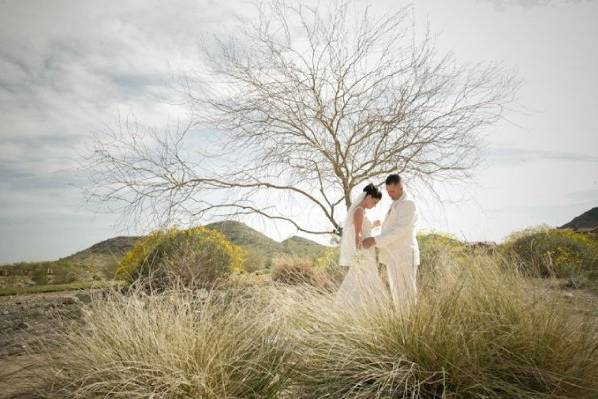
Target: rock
column 483, row 245
column 69, row 300
column 568, row 295
column 83, row 297
column 23, row 325
column 571, row 283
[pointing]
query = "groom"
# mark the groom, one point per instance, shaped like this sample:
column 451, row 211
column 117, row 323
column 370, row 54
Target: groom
column 397, row 244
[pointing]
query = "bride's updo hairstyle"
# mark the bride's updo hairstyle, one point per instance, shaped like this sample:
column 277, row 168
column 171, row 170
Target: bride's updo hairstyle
column 373, row 191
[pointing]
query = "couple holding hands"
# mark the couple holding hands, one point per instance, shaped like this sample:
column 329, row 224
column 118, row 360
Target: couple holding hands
column 396, row 243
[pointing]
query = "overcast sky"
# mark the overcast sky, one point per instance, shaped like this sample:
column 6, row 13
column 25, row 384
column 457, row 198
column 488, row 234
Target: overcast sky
column 69, row 67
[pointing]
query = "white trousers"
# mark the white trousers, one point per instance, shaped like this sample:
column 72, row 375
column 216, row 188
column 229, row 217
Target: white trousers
column 402, row 281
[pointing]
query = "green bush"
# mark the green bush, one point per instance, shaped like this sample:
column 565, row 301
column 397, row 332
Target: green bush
column 253, row 261
column 438, row 249
column 43, row 273
column 193, row 257
column 547, row 252
column 329, row 258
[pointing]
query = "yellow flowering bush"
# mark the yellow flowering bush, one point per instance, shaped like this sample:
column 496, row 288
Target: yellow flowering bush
column 329, row 259
column 139, row 253
column 552, row 252
column 192, row 257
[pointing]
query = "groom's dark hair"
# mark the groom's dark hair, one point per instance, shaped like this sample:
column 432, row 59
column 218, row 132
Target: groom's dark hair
column 393, row 179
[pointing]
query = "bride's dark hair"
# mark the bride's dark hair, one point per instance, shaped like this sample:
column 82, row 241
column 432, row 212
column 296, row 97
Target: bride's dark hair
column 373, row 191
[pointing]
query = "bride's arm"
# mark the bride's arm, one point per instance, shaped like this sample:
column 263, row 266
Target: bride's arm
column 358, row 222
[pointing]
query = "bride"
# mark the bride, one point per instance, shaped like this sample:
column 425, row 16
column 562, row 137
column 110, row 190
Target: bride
column 362, row 283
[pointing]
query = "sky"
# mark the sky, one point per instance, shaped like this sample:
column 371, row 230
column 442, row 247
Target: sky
column 69, row 68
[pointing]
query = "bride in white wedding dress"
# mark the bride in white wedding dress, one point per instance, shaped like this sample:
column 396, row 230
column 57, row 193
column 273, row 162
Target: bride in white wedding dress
column 362, row 284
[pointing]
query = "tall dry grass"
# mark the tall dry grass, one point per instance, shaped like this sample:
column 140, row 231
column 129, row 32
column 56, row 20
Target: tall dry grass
column 478, row 330
column 169, row 345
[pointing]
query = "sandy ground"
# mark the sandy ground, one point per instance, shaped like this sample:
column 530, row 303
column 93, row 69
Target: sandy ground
column 23, row 319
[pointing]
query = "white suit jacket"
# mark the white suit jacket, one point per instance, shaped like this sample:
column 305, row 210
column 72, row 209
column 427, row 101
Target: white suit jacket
column 397, row 241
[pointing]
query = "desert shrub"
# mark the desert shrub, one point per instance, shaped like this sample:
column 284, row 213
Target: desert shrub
column 247, row 280
column 39, row 275
column 139, row 254
column 329, row 259
column 169, row 345
column 547, row 252
column 433, row 245
column 252, row 260
column 193, row 257
column 291, row 270
column 330, row 273
column 438, row 250
column 53, row 272
column 479, row 332
column 301, row 271
column 66, row 272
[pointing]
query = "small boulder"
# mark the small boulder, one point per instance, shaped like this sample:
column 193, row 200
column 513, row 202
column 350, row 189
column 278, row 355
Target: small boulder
column 23, row 325
column 83, row 297
column 69, row 300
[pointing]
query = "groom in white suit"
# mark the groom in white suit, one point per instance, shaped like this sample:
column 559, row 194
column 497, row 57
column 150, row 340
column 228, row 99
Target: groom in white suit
column 398, row 245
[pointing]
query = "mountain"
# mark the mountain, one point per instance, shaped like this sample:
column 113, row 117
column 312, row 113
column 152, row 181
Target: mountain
column 303, row 248
column 240, row 234
column 587, row 221
column 104, row 253
column 244, row 236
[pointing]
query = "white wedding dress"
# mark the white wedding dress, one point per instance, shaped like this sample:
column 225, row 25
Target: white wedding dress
column 362, row 285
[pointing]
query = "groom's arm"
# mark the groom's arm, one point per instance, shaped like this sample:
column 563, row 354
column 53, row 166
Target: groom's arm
column 404, row 224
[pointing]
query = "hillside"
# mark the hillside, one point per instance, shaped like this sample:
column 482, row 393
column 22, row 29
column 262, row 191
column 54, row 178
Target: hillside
column 302, row 247
column 240, row 234
column 104, row 253
column 587, row 221
column 244, row 236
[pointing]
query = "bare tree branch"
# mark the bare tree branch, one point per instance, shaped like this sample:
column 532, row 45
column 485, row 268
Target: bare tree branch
column 308, row 105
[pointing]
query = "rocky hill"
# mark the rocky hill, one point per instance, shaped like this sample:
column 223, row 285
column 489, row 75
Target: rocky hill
column 240, row 234
column 104, row 253
column 243, row 235
column 302, row 247
column 587, row 221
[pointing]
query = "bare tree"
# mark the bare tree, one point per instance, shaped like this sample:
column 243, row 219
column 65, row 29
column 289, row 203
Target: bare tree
column 302, row 107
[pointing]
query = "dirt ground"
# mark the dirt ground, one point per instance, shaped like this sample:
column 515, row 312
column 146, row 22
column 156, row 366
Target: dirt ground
column 23, row 319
